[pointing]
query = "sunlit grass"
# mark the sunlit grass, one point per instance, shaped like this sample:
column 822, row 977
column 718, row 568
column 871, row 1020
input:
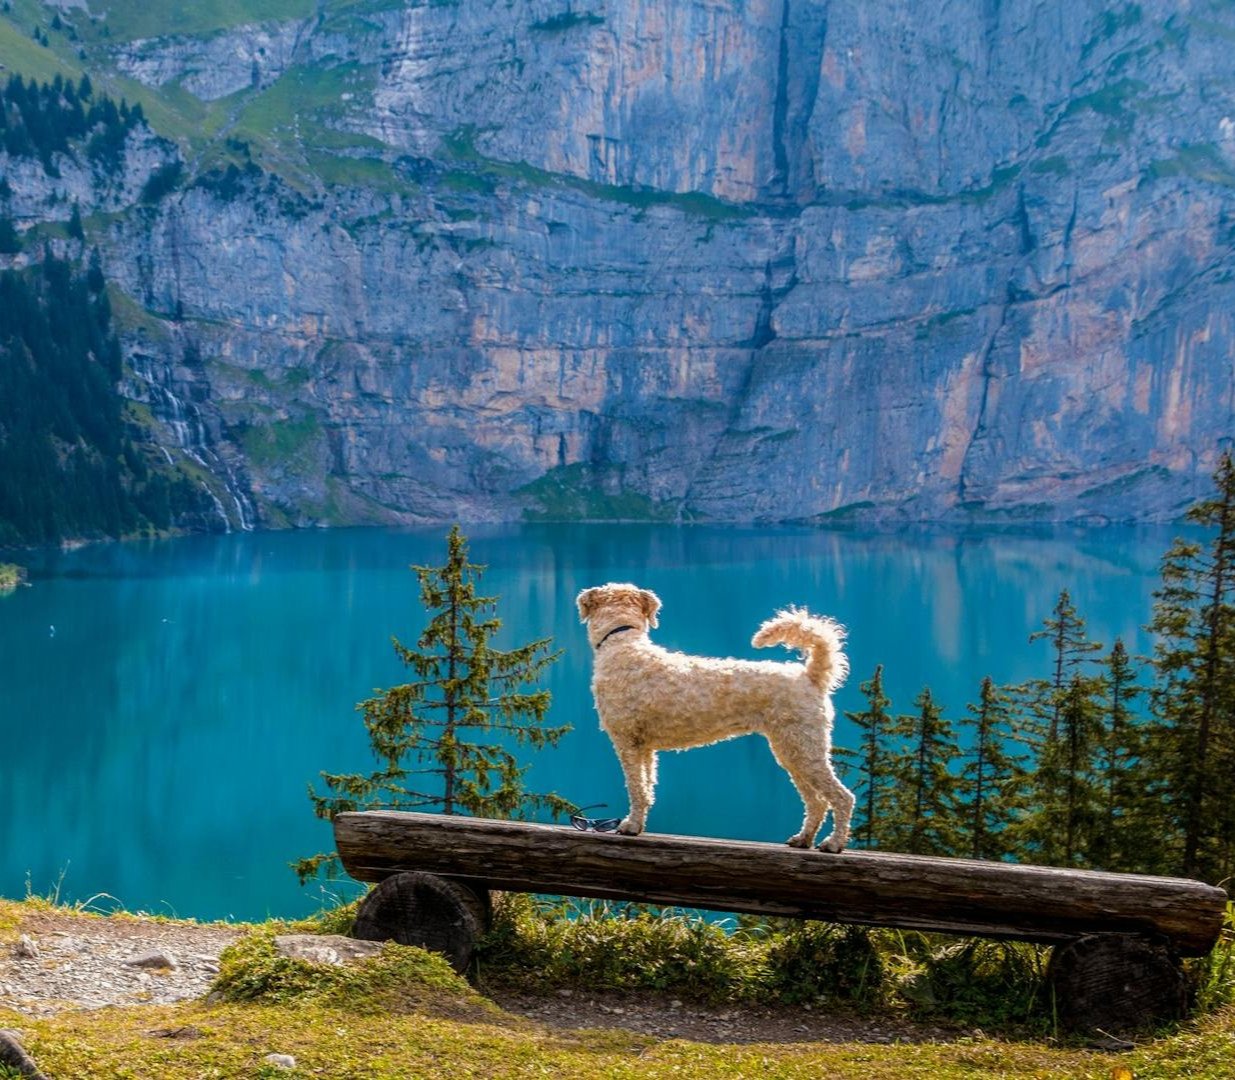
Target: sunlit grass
column 405, row 1013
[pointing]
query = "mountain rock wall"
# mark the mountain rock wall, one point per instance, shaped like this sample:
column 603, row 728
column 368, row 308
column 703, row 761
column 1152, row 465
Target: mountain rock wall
column 726, row 259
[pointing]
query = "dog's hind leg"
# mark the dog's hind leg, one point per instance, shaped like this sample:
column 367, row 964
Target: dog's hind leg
column 842, row 801
column 639, row 768
column 797, row 760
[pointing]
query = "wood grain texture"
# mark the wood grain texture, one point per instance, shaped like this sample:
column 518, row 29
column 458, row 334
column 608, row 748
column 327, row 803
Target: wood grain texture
column 422, row 909
column 962, row 896
column 1118, row 984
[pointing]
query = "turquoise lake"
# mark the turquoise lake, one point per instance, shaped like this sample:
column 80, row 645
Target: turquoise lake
column 163, row 705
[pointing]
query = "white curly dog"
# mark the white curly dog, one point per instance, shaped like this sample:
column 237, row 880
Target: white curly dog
column 651, row 699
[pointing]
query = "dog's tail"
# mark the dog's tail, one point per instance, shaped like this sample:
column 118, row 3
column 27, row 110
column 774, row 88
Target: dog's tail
column 820, row 640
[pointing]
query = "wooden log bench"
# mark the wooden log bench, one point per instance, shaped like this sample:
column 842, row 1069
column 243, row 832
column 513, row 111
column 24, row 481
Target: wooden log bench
column 1118, row 937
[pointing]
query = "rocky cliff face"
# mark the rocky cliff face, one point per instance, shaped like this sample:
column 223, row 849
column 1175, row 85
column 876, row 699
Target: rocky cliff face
column 728, row 259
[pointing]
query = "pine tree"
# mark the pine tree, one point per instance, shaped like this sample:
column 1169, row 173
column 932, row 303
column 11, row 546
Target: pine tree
column 1125, row 840
column 1193, row 700
column 10, row 238
column 1082, row 736
column 419, row 731
column 921, row 817
column 991, row 778
column 95, row 281
column 872, row 759
column 1059, row 722
column 1066, row 633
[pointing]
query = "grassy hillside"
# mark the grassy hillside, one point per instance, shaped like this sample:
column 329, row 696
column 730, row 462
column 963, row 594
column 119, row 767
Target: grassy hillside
column 294, row 127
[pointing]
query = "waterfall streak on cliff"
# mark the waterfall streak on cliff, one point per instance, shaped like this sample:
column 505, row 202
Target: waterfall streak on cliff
column 151, row 386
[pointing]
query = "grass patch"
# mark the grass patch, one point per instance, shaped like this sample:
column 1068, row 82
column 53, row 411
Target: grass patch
column 1001, row 177
column 1200, row 161
column 618, row 947
column 130, row 316
column 1114, row 99
column 375, row 174
column 20, row 53
column 847, row 510
column 11, row 575
column 567, row 20
column 461, row 146
column 1111, row 23
column 297, row 106
column 1123, row 484
column 628, row 947
column 267, row 444
column 231, row 1041
column 938, row 321
column 575, row 493
column 1213, row 976
column 129, row 19
column 1055, row 165
column 398, row 979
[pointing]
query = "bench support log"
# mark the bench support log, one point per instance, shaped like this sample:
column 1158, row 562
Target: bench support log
column 1117, row 984
column 416, row 908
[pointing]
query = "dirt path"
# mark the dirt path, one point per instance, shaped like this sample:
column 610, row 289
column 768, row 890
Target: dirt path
column 56, row 961
column 60, row 961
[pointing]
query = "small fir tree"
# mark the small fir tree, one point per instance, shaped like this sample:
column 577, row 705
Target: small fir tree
column 1192, row 744
column 1082, row 735
column 872, row 759
column 419, row 731
column 922, row 811
column 991, row 777
column 1125, row 840
column 10, row 239
column 74, row 226
column 1056, row 721
column 1072, row 647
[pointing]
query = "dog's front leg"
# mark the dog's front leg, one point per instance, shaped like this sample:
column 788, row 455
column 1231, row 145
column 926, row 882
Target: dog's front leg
column 639, row 768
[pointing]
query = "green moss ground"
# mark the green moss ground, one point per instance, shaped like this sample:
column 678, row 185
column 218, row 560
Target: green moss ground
column 405, row 1014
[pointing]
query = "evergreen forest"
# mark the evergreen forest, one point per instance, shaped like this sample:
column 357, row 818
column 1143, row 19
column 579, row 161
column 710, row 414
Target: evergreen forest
column 71, row 464
column 1108, row 760
column 42, row 119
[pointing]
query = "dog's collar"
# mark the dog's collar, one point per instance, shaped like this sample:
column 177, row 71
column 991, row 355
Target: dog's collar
column 615, row 630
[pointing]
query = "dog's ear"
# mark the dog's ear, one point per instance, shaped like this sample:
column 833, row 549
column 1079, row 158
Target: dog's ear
column 586, row 602
column 650, row 603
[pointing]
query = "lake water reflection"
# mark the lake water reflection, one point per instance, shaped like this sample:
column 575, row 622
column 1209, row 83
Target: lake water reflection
column 164, row 704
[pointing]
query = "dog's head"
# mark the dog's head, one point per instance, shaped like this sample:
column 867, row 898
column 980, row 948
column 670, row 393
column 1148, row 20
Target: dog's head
column 607, row 606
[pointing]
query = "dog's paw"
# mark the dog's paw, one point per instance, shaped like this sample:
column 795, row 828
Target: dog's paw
column 629, row 828
column 832, row 846
column 798, row 841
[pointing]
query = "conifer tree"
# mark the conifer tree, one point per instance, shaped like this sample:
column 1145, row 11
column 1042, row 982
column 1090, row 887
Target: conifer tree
column 991, row 777
column 1072, row 648
column 921, row 817
column 1193, row 699
column 872, row 759
column 1125, row 840
column 10, row 239
column 1082, row 736
column 421, row 732
column 1060, row 722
